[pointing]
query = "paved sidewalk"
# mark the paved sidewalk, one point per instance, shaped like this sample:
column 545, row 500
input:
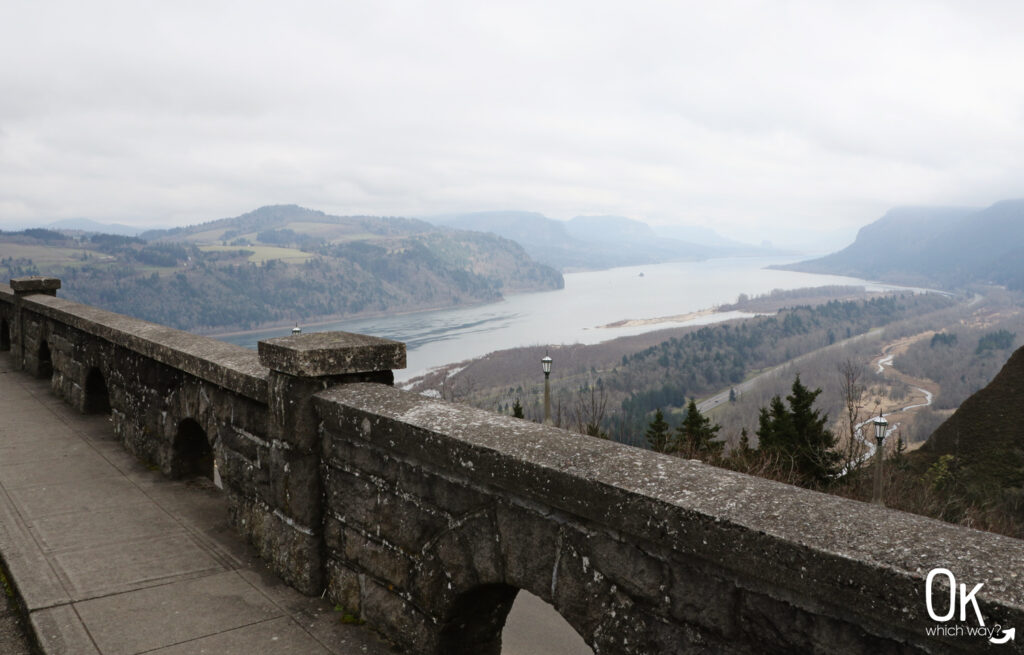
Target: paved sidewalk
column 111, row 558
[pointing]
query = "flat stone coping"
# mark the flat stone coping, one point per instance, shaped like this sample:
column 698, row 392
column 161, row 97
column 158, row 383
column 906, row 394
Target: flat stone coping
column 224, row 364
column 37, row 283
column 6, row 293
column 319, row 354
column 778, row 531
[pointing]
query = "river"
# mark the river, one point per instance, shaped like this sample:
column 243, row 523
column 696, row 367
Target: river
column 574, row 314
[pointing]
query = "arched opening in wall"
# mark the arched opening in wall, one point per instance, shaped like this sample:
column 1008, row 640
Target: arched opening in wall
column 500, row 619
column 5, row 335
column 534, row 626
column 45, row 362
column 193, row 456
column 97, row 399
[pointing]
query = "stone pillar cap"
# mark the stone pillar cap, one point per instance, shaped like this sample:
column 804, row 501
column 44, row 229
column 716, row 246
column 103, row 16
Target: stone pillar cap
column 34, row 284
column 316, row 354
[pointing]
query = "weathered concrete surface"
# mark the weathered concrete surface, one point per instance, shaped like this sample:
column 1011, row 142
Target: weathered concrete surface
column 35, row 284
column 111, row 557
column 226, row 365
column 331, row 353
column 433, row 509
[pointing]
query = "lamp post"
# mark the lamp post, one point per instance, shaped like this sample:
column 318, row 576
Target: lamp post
column 880, row 427
column 546, row 365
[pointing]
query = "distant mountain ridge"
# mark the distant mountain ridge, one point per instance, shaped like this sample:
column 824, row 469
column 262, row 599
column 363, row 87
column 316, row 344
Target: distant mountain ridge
column 595, row 242
column 77, row 225
column 940, row 246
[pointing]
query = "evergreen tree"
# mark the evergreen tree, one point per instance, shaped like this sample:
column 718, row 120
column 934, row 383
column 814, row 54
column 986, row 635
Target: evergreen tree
column 658, row 433
column 695, row 435
column 517, row 409
column 732, row 395
column 744, row 446
column 798, row 436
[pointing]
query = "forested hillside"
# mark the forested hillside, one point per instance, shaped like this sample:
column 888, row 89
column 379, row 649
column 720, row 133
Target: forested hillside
column 664, row 373
column 277, row 264
column 976, row 458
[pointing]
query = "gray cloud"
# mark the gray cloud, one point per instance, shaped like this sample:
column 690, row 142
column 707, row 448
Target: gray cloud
column 758, row 118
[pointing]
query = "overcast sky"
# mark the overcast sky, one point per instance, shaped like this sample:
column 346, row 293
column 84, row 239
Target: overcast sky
column 756, row 118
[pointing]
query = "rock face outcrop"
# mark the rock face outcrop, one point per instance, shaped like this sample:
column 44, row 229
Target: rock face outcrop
column 425, row 518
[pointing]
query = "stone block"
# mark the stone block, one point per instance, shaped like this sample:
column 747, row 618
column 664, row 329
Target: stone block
column 292, row 550
column 398, row 619
column 343, row 586
column 319, row 354
column 334, row 534
column 408, row 522
column 626, row 564
column 457, row 561
column 351, row 498
column 295, row 485
column 378, row 558
column 695, row 596
column 22, row 286
column 529, row 545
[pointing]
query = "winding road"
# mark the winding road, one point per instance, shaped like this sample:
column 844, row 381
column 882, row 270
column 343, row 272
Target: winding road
column 885, row 368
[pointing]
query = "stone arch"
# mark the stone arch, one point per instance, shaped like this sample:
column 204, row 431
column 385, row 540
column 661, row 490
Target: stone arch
column 474, row 579
column 536, row 620
column 192, row 453
column 475, row 621
column 44, row 366
column 97, row 398
column 5, row 335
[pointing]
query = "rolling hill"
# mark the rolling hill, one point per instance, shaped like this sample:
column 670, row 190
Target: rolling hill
column 278, row 264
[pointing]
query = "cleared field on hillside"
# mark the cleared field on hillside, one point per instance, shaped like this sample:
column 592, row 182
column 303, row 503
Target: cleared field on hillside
column 264, row 253
column 48, row 255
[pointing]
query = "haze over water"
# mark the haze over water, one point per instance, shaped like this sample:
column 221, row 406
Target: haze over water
column 574, row 314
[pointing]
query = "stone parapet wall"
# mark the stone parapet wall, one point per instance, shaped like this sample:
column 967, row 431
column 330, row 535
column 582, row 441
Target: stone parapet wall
column 434, row 509
column 228, row 366
column 425, row 518
column 158, row 383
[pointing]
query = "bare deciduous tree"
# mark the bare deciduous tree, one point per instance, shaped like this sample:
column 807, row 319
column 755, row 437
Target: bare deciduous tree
column 852, row 393
column 588, row 414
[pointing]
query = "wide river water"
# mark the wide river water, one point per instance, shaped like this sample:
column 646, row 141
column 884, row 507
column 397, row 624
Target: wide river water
column 574, row 314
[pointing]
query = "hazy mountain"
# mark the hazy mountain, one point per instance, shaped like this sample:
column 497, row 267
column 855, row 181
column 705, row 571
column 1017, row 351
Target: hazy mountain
column 77, row 225
column 941, row 246
column 590, row 242
column 703, row 236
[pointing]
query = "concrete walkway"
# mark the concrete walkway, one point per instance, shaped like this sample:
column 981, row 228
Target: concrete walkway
column 112, row 558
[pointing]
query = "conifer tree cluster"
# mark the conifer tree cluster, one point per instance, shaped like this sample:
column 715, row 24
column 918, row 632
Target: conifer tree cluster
column 693, row 439
column 793, row 440
column 798, row 437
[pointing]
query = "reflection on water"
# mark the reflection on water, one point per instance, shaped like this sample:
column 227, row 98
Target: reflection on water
column 574, row 314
